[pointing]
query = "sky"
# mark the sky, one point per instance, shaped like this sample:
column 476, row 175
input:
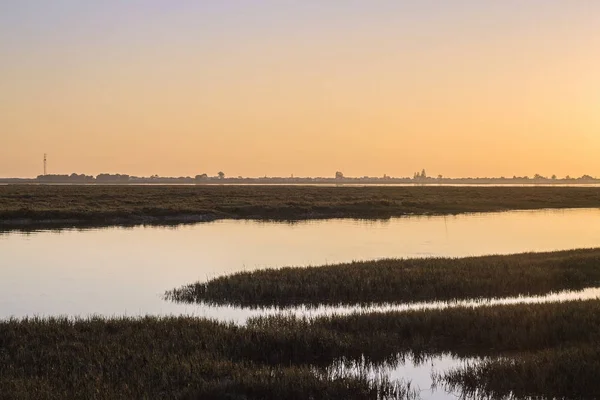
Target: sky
column 307, row 87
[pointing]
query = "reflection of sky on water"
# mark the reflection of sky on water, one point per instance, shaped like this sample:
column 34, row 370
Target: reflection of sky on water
column 418, row 372
column 240, row 315
column 117, row 271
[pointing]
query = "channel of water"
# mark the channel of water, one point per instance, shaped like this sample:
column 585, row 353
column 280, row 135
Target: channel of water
column 125, row 271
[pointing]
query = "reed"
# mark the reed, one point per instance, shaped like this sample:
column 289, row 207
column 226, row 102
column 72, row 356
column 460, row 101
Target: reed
column 563, row 373
column 287, row 357
column 463, row 332
column 31, row 206
column 401, row 281
column 172, row 358
column 286, row 340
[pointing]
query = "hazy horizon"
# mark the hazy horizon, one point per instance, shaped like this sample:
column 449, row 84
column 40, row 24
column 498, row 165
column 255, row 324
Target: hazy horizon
column 210, row 174
column 179, row 88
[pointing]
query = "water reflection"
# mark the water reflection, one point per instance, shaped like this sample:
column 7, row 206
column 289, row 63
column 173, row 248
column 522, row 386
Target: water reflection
column 422, row 373
column 125, row 271
column 424, row 376
column 240, row 315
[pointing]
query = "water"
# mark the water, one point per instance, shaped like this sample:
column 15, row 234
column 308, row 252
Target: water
column 119, row 271
column 418, row 372
column 125, row 271
column 241, row 315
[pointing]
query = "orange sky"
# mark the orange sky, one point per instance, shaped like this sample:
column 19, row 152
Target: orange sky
column 277, row 88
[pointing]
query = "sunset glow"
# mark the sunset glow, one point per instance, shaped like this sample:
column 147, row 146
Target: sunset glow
column 179, row 88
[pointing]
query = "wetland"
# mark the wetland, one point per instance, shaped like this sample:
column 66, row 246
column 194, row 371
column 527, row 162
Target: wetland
column 403, row 307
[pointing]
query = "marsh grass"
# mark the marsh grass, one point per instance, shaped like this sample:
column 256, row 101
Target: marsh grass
column 563, row 373
column 278, row 356
column 464, row 332
column 63, row 206
column 287, row 340
column 401, row 281
column 169, row 358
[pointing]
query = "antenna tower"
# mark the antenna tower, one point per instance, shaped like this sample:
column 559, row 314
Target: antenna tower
column 45, row 163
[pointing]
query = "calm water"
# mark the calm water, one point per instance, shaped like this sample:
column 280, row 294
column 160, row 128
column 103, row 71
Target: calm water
column 119, row 271
column 240, row 315
column 418, row 372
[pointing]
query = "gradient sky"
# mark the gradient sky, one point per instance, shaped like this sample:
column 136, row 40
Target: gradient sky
column 306, row 87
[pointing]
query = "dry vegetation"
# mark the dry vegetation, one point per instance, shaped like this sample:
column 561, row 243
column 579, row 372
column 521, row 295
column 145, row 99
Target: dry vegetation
column 57, row 206
column 562, row 373
column 280, row 357
column 151, row 358
column 401, row 281
column 488, row 330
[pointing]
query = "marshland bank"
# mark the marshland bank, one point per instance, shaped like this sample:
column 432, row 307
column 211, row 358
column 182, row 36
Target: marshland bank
column 559, row 373
column 188, row 357
column 57, row 206
column 173, row 358
column 401, row 281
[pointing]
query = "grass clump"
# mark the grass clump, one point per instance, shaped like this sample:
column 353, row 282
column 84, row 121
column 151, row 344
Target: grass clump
column 562, row 373
column 41, row 206
column 170, row 358
column 401, row 281
column 283, row 356
column 379, row 337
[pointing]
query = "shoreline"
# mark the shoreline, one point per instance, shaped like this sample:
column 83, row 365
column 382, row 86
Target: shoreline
column 31, row 224
column 72, row 206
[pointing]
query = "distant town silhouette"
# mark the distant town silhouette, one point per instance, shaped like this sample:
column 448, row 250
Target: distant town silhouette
column 338, row 178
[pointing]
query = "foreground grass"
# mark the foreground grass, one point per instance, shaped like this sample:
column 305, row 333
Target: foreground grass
column 270, row 357
column 47, row 206
column 405, row 281
column 465, row 332
column 171, row 358
column 564, row 373
column 285, row 357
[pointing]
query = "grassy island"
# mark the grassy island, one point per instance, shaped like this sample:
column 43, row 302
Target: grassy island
column 46, row 206
column 401, row 281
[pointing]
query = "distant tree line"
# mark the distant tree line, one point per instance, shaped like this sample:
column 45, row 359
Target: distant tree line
column 418, row 178
column 73, row 178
